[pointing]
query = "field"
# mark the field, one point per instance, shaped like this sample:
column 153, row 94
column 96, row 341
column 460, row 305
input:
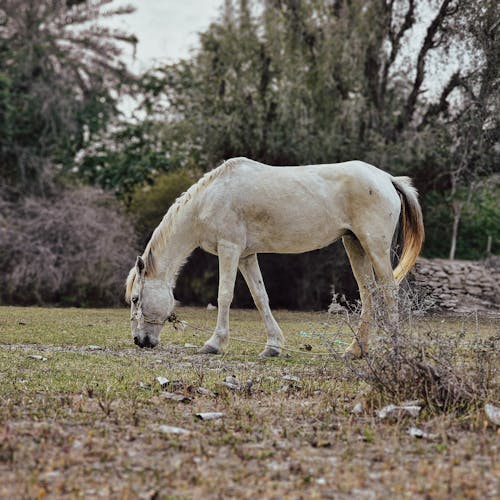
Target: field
column 82, row 415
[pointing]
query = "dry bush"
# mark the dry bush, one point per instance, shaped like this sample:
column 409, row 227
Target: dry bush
column 73, row 250
column 447, row 372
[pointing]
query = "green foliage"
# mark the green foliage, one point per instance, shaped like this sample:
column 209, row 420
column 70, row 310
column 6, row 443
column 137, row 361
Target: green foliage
column 479, row 220
column 311, row 82
column 60, row 75
column 284, row 96
column 283, row 82
column 150, row 202
column 124, row 158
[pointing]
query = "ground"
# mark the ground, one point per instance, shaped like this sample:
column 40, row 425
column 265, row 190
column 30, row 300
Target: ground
column 81, row 415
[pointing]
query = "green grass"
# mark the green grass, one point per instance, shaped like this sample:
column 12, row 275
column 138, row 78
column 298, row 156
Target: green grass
column 86, row 423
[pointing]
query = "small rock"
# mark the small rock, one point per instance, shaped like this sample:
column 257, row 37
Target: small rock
column 212, row 415
column 291, row 378
column 205, row 392
column 54, row 474
column 357, row 409
column 177, row 385
column 231, row 379
column 37, row 357
column 231, row 382
column 233, row 387
column 162, row 381
column 493, row 413
column 77, row 444
column 420, row 434
column 249, row 385
column 180, row 398
column 396, row 411
column 191, row 346
column 170, row 429
column 289, row 388
column 94, row 348
column 416, row 432
column 144, row 385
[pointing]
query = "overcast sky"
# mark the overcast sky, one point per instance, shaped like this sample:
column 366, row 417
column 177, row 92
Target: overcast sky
column 167, row 29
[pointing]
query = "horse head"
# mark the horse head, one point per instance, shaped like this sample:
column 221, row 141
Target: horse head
column 151, row 305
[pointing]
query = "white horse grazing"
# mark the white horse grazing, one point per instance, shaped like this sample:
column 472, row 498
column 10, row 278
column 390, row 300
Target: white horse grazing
column 243, row 208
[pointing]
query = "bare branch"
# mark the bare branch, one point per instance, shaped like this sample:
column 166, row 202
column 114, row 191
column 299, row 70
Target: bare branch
column 395, row 39
column 446, row 10
column 442, row 105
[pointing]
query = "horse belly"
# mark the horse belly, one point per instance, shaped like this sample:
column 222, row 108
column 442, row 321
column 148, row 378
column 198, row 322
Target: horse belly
column 291, row 230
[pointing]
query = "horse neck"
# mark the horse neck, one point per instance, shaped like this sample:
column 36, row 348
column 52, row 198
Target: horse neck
column 181, row 242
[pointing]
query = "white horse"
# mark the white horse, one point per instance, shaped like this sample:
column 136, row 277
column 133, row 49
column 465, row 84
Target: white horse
column 243, row 208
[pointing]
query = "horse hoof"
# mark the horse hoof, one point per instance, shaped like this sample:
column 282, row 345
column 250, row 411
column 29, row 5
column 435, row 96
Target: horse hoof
column 269, row 352
column 208, row 349
column 351, row 353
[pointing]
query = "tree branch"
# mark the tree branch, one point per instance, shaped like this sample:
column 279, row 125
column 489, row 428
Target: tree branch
column 446, row 10
column 395, row 39
column 442, row 105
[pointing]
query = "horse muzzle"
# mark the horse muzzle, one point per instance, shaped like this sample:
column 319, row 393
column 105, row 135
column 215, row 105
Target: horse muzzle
column 145, row 341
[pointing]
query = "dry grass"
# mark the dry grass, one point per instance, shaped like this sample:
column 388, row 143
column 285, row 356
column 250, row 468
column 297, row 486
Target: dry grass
column 86, row 422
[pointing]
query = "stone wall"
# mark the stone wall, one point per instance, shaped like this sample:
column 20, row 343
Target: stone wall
column 460, row 286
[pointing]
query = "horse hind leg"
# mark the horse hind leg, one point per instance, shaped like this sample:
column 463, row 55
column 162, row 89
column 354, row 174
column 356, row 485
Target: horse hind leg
column 379, row 253
column 363, row 273
column 249, row 268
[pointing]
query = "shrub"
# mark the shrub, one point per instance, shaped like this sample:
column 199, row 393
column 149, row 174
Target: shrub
column 72, row 250
column 149, row 203
column 445, row 371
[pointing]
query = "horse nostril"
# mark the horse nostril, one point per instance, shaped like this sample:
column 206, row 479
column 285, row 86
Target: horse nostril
column 147, row 342
column 136, row 340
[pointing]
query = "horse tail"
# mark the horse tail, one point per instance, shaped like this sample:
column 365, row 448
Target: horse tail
column 413, row 226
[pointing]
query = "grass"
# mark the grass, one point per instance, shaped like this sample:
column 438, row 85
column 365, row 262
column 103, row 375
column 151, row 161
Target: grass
column 86, row 422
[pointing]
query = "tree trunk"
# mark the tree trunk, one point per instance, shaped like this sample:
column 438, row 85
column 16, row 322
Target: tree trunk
column 457, row 211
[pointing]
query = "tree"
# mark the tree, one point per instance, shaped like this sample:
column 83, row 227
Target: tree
column 309, row 81
column 477, row 125
column 60, row 77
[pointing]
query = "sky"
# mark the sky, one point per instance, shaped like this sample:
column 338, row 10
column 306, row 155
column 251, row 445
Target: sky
column 167, row 29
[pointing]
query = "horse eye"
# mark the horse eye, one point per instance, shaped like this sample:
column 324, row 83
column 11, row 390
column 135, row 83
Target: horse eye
column 135, row 299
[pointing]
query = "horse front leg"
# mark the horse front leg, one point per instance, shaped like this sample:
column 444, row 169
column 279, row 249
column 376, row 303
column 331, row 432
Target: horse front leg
column 229, row 255
column 250, row 270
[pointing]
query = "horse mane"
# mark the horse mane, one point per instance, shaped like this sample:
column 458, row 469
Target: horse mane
column 163, row 231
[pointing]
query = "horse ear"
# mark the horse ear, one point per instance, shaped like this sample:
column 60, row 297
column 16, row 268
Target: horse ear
column 139, row 265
